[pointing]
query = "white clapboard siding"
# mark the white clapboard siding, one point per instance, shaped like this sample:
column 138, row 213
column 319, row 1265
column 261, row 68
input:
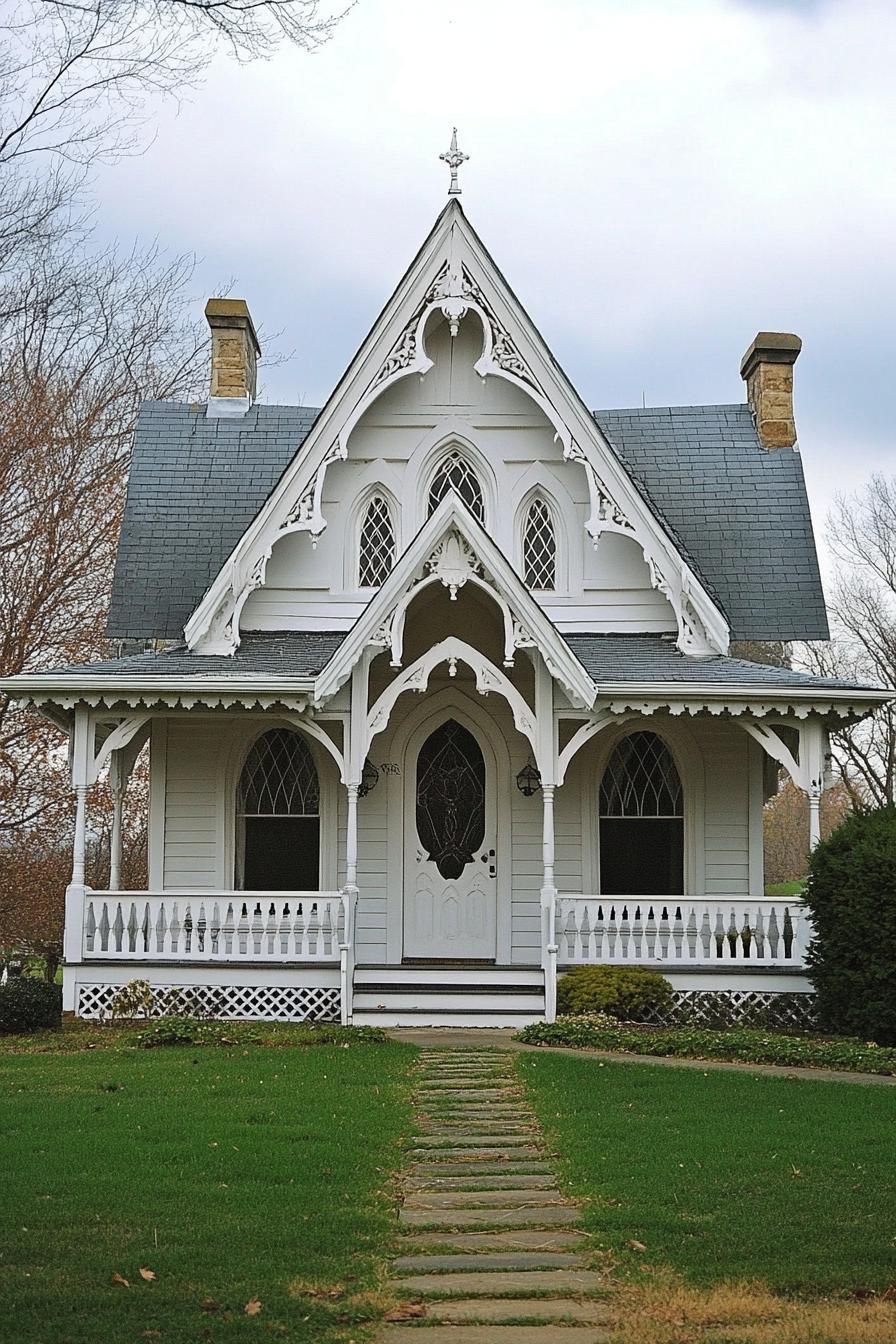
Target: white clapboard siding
column 726, row 817
column 191, row 794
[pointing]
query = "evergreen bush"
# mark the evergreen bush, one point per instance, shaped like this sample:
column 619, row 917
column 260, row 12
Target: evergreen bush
column 29, row 1004
column 628, row 993
column 851, row 894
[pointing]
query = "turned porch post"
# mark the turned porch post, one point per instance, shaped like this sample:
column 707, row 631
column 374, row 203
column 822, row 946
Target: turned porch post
column 80, row 759
column 544, row 717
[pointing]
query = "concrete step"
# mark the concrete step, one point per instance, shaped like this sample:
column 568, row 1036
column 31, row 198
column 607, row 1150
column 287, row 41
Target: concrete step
column 497, row 1334
column 550, row 1215
column 497, row 1260
column 525, row 1182
column 481, row 1199
column 431, row 1017
column 482, row 974
column 467, row 1140
column 507, row 1239
column 562, row 1283
column 447, row 1156
column 478, row 1169
column 503, row 1309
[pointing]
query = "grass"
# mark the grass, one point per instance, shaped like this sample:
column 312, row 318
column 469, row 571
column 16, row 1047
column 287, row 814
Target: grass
column 746, row 1045
column 232, row 1174
column 723, row 1177
column 793, row 888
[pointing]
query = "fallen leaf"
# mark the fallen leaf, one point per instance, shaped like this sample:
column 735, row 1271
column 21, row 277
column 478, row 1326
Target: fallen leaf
column 116, row 1278
column 636, row 1246
column 147, row 1274
column 252, row 1307
column 209, row 1304
column 408, row 1311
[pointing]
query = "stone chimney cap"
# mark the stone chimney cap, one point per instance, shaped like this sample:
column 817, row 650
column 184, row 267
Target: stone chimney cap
column 231, row 313
column 771, row 347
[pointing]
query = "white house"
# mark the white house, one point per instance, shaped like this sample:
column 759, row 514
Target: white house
column 442, row 701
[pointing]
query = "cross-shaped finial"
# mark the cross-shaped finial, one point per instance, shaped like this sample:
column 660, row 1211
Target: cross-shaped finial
column 454, row 157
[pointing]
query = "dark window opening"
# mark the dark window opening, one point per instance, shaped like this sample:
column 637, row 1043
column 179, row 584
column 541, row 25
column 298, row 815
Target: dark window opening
column 278, row 821
column 641, row 821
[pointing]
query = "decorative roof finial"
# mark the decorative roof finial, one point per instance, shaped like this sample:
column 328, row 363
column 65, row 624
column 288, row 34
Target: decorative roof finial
column 454, row 157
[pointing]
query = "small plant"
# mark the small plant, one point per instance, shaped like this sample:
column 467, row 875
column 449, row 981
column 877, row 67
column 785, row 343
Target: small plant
column 626, row 993
column 27, row 1004
column 191, row 1031
column 132, row 1000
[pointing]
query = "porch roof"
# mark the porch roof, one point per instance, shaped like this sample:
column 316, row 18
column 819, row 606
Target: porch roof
column 629, row 671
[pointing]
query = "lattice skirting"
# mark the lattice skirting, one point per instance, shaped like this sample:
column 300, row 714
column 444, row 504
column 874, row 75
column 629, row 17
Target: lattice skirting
column 261, row 1003
column 738, row 1008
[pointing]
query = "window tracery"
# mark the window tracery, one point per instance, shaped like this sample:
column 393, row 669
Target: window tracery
column 539, row 548
column 455, row 473
column 376, row 546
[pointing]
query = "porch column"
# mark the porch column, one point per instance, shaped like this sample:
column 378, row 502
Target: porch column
column 116, row 789
column 814, row 817
column 350, row 899
column 548, row 904
column 80, row 756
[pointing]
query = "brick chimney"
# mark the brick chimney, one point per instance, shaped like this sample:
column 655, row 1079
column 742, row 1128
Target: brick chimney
column 235, row 351
column 767, row 370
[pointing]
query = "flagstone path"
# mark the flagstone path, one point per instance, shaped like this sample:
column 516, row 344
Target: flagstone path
column 490, row 1245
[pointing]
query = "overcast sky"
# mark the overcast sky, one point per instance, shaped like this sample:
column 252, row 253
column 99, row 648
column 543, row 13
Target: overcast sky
column 658, row 179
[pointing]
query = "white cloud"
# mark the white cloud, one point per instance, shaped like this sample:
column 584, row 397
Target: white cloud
column 657, row 180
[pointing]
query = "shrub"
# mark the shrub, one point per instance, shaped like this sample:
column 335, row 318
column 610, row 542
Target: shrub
column 27, row 1004
column 132, row 1000
column 851, row 893
column 628, row 993
column 191, row 1031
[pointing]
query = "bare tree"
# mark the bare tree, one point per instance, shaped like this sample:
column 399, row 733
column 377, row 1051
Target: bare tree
column 862, row 537
column 75, row 75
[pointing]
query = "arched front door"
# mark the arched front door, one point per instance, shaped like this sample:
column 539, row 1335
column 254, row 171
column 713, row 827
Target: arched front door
column 450, row 864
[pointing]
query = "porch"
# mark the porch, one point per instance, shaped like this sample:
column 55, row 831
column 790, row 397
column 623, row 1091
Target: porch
column 292, row 955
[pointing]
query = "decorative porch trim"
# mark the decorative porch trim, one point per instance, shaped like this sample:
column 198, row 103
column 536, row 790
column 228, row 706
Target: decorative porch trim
column 455, row 549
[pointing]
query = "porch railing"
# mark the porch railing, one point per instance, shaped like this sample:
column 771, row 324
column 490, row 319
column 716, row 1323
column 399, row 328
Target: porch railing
column 304, row 926
column 680, row 932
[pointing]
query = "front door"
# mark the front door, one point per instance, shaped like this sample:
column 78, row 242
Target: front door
column 450, row 862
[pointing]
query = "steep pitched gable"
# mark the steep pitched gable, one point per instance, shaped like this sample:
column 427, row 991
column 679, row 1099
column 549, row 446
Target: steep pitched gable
column 454, row 274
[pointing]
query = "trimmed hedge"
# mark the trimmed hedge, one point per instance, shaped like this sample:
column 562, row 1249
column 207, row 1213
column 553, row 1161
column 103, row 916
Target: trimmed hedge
column 741, row 1045
column 630, row 993
column 851, row 893
column 28, row 1004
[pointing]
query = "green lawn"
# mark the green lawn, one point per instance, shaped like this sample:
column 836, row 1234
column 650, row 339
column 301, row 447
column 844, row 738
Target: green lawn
column 793, row 888
column 727, row 1176
column 230, row 1173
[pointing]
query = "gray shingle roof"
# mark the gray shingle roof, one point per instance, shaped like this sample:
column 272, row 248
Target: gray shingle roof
column 292, row 654
column 741, row 513
column 195, row 485
column 650, row 658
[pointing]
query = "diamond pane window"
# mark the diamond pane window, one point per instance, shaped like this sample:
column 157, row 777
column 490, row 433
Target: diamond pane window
column 540, row 548
column 641, row 780
column 641, row 821
column 450, row 798
column 376, row 551
column 455, row 473
column 279, row 778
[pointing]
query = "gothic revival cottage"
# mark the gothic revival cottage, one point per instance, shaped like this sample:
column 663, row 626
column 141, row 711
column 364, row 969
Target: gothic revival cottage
column 442, row 702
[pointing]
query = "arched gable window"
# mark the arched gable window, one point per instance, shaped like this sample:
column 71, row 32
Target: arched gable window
column 376, row 545
column 278, row 816
column 641, row 820
column 539, row 548
column 455, row 473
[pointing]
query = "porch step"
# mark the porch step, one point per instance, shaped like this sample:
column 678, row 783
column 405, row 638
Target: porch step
column 474, row 973
column 431, row 1017
column 431, row 1000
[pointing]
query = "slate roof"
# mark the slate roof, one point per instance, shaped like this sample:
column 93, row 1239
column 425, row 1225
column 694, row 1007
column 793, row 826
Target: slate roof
column 194, row 487
column 650, row 658
column 740, row 513
column 294, row 655
column 299, row 655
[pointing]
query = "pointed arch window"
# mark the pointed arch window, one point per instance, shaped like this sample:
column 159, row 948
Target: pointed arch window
column 455, row 473
column 376, row 546
column 278, row 816
column 539, row 548
column 641, row 820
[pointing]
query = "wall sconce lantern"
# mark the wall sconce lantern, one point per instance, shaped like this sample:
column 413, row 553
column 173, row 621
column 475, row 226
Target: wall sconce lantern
column 370, row 777
column 528, row 781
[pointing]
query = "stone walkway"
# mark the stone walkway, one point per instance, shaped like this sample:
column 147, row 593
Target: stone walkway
column 490, row 1245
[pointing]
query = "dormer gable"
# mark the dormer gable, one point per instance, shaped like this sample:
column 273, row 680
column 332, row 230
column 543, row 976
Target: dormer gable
column 454, row 292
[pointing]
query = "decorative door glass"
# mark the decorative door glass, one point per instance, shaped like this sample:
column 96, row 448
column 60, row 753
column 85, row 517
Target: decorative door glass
column 451, row 798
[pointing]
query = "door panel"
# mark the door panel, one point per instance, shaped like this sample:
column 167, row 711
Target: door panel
column 450, row 865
